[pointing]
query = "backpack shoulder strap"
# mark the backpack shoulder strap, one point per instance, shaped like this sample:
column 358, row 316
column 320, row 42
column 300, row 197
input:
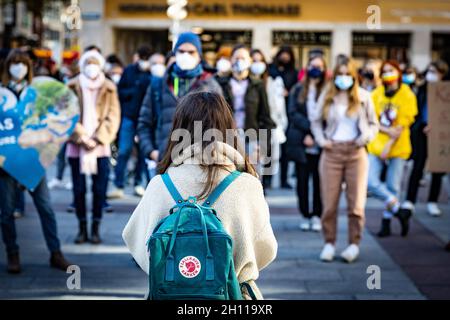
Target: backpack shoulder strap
column 221, row 188
column 172, row 189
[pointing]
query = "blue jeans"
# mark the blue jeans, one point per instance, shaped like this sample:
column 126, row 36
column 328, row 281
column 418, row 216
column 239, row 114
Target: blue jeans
column 391, row 189
column 99, row 185
column 126, row 142
column 41, row 199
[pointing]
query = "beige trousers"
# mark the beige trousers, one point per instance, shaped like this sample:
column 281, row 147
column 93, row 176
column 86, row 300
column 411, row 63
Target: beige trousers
column 344, row 162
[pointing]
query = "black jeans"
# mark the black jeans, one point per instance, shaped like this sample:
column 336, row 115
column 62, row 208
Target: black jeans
column 99, row 186
column 304, row 171
column 284, row 165
column 41, row 198
column 420, row 157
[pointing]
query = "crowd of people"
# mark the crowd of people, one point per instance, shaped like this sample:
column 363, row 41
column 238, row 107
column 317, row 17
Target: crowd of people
column 346, row 129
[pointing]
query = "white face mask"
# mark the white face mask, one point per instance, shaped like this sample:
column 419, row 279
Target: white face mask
column 223, row 65
column 18, row 70
column 116, row 78
column 185, row 61
column 241, row 65
column 431, row 76
column 144, row 65
column 258, row 68
column 158, row 70
column 92, row 70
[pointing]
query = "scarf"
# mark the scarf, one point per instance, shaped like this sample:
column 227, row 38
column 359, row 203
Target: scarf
column 189, row 74
column 90, row 89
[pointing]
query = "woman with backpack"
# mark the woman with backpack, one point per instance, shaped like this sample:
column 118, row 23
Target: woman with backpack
column 196, row 172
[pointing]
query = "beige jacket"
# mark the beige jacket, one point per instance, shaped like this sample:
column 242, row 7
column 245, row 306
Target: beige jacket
column 241, row 208
column 108, row 111
column 366, row 117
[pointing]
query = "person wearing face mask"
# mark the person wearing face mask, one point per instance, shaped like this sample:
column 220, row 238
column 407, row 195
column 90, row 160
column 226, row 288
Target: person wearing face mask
column 343, row 122
column 17, row 74
column 187, row 73
column 157, row 65
column 88, row 149
column 409, row 78
column 396, row 107
column 436, row 71
column 284, row 66
column 275, row 98
column 301, row 145
column 131, row 89
column 368, row 79
column 247, row 97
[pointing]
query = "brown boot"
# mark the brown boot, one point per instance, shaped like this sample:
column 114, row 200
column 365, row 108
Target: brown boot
column 58, row 261
column 14, row 263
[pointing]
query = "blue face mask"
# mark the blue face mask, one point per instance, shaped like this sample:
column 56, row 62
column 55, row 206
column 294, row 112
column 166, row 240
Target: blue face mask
column 408, row 78
column 343, row 82
column 315, row 73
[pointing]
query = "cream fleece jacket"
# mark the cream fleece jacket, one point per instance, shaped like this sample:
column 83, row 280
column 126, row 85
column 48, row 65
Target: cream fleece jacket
column 242, row 209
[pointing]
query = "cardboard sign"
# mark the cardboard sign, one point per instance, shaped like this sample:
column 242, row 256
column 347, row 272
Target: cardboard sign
column 34, row 126
column 439, row 122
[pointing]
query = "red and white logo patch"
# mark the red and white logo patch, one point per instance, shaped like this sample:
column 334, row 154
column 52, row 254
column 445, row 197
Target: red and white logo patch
column 189, row 267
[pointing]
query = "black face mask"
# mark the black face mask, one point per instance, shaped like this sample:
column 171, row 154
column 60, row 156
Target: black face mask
column 368, row 75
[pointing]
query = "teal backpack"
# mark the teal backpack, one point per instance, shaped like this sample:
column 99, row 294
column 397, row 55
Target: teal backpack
column 191, row 255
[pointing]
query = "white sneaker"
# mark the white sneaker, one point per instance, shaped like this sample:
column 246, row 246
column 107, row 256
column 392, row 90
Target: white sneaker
column 351, row 253
column 139, row 191
column 316, row 224
column 115, row 194
column 328, row 252
column 55, row 183
column 68, row 186
column 305, row 225
column 433, row 209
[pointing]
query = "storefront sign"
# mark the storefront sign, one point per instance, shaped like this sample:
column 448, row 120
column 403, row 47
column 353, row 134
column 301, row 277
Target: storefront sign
column 301, row 38
column 230, row 8
column 439, row 122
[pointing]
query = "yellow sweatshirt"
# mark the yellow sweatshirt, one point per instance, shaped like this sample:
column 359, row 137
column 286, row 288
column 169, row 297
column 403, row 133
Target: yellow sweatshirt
column 399, row 110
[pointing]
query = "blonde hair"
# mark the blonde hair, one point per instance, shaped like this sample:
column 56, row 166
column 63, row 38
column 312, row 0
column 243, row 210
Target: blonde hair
column 332, row 91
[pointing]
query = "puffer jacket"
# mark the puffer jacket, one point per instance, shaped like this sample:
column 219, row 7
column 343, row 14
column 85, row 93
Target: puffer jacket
column 158, row 110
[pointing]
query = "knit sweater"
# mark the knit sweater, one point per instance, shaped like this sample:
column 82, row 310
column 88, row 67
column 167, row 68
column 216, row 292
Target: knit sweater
column 241, row 208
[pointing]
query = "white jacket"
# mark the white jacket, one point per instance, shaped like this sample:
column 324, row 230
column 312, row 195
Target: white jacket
column 277, row 104
column 242, row 209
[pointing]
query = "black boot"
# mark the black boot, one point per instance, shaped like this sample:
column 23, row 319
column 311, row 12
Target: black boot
column 385, row 230
column 403, row 216
column 14, row 264
column 82, row 236
column 95, row 235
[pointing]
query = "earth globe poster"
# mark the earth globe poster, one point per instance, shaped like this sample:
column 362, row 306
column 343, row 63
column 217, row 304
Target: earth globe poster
column 34, row 127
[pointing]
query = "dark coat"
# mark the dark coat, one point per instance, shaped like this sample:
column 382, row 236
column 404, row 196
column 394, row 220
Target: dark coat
column 257, row 111
column 131, row 89
column 158, row 110
column 299, row 126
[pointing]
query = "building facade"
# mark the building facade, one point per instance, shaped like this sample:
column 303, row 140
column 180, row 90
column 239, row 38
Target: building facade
column 414, row 31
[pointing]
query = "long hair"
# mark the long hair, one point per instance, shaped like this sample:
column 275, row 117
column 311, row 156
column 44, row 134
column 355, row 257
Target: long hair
column 17, row 56
column 307, row 81
column 332, row 91
column 214, row 113
column 265, row 75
